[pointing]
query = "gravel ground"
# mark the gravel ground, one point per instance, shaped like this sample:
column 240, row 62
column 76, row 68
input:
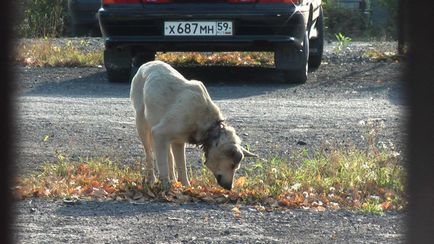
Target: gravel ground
column 85, row 116
column 116, row 222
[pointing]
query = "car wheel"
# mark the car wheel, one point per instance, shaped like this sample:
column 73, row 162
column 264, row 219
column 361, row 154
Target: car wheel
column 317, row 45
column 293, row 61
column 143, row 57
column 118, row 64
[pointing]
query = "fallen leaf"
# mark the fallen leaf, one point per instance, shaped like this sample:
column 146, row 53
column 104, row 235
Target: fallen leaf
column 334, row 206
column 320, row 209
column 95, row 184
column 150, row 193
column 166, row 197
column 236, row 212
column 260, row 208
column 98, row 192
column 137, row 195
column 240, row 182
column 177, row 185
column 386, row 205
column 109, row 189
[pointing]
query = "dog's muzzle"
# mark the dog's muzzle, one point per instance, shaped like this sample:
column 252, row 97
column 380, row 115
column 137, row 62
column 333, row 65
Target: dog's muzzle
column 225, row 185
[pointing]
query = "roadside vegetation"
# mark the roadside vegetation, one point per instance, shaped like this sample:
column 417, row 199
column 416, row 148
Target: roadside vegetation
column 47, row 53
column 370, row 180
column 41, row 18
column 50, row 18
column 44, row 53
column 46, row 19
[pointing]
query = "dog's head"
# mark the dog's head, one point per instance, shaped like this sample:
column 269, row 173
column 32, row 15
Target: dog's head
column 223, row 154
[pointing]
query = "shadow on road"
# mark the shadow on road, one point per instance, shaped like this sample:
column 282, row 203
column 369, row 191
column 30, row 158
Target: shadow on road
column 239, row 82
column 114, row 208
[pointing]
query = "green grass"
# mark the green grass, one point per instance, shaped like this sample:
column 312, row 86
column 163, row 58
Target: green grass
column 347, row 178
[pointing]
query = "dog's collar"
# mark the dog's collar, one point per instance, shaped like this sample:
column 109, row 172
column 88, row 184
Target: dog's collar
column 214, row 130
column 211, row 135
column 205, row 139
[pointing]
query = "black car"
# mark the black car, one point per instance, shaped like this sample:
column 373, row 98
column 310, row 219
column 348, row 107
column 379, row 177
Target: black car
column 136, row 29
column 84, row 21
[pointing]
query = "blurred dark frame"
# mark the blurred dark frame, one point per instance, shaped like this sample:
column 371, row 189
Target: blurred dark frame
column 418, row 34
column 6, row 120
column 418, row 31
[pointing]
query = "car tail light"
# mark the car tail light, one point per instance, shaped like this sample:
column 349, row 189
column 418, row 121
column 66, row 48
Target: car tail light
column 156, row 1
column 106, row 2
column 265, row 1
column 242, row 1
column 280, row 1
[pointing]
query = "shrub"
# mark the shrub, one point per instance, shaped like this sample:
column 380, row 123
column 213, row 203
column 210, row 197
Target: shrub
column 358, row 23
column 42, row 18
column 342, row 20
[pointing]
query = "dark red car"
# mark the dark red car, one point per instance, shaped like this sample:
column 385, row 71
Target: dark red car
column 136, row 29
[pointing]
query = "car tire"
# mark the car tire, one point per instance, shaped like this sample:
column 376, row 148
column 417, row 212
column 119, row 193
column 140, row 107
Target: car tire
column 143, row 57
column 118, row 64
column 293, row 61
column 317, row 45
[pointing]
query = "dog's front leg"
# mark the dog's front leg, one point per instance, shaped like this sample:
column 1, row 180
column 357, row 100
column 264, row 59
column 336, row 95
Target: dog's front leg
column 172, row 173
column 161, row 150
column 179, row 154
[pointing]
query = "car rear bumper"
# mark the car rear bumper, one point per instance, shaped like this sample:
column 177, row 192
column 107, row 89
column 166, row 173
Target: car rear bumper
column 255, row 26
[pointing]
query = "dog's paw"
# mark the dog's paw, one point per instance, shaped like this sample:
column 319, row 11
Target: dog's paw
column 165, row 185
column 185, row 183
column 150, row 180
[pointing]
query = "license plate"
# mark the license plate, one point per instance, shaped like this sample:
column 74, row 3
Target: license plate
column 198, row 28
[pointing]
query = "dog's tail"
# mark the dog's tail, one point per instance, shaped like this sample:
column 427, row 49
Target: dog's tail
column 137, row 85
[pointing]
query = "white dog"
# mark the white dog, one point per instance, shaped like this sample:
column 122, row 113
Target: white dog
column 172, row 111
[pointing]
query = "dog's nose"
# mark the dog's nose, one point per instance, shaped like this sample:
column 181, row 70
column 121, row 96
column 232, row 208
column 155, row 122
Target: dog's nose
column 219, row 179
column 225, row 185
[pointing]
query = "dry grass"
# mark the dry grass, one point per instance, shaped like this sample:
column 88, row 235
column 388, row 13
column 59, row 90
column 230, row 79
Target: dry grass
column 220, row 58
column 350, row 179
column 46, row 54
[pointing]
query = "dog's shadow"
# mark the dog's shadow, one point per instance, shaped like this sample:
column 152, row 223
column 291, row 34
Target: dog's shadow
column 115, row 208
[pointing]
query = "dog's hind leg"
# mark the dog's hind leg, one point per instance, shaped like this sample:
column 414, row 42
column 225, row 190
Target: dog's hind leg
column 179, row 154
column 144, row 131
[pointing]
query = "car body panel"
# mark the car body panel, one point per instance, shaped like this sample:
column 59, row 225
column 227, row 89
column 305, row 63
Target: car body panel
column 84, row 11
column 256, row 27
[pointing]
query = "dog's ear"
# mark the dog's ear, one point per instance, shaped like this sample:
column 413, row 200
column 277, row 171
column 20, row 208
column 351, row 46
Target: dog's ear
column 236, row 155
column 233, row 152
column 248, row 154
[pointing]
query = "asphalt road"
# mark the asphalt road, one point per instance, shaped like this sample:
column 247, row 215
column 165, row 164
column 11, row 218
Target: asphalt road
column 76, row 112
